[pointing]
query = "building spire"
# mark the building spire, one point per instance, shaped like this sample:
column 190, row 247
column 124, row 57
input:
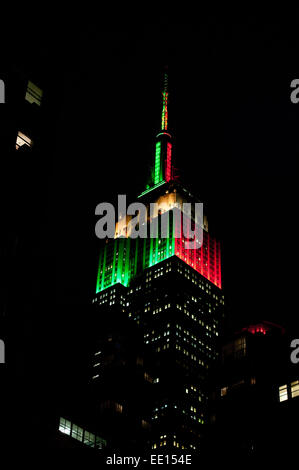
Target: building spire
column 164, row 124
column 163, row 171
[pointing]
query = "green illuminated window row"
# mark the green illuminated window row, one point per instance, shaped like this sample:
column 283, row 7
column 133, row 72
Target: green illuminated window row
column 130, row 257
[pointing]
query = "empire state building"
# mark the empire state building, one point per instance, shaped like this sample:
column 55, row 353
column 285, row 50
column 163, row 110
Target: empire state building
column 157, row 313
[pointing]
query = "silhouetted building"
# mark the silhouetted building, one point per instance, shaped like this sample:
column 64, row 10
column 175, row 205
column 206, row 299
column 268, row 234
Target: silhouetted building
column 253, row 395
column 27, row 120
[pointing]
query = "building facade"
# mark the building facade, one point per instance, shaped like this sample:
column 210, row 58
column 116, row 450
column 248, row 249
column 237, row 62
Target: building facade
column 254, row 397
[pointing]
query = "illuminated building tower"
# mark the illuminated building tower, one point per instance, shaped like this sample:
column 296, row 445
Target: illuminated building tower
column 173, row 294
column 124, row 258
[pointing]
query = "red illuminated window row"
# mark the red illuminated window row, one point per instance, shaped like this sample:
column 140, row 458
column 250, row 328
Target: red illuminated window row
column 201, row 259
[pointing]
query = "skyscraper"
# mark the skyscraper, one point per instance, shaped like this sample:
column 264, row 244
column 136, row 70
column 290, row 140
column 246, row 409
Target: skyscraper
column 171, row 297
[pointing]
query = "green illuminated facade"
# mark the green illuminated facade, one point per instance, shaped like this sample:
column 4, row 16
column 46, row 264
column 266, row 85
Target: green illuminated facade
column 124, row 258
column 158, row 170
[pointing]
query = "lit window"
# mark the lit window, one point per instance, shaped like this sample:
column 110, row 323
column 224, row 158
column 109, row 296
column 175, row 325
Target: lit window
column 23, row 139
column 65, row 426
column 100, row 443
column 33, row 94
column 89, row 439
column 145, row 424
column 77, row 432
column 240, row 347
column 283, row 393
column 295, row 389
column 224, row 391
column 118, row 407
column 147, row 377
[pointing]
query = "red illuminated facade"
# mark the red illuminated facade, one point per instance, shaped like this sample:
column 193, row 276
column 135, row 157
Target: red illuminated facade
column 168, row 172
column 206, row 260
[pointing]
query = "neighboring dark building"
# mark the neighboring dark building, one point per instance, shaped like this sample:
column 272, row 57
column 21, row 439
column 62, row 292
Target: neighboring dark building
column 152, row 395
column 254, row 395
column 27, row 121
